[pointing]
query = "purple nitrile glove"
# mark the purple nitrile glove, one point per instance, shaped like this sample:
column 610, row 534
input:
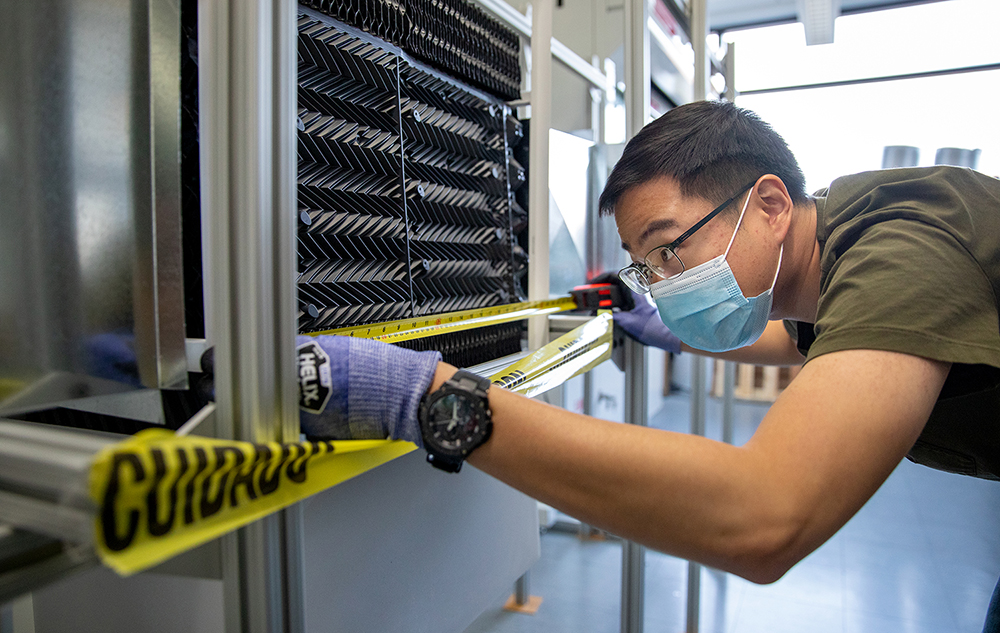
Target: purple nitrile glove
column 354, row 388
column 643, row 323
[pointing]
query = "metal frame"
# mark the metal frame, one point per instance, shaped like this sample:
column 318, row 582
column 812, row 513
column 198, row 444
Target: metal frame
column 538, row 156
column 159, row 306
column 247, row 101
column 525, row 26
column 634, row 554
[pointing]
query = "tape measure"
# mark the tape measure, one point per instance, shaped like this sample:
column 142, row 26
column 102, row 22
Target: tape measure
column 159, row 494
column 406, row 329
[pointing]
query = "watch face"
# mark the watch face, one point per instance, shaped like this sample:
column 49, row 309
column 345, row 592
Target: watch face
column 455, row 422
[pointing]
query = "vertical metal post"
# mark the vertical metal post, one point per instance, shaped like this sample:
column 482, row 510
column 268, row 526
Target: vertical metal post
column 699, row 35
column 728, row 400
column 586, row 530
column 247, row 58
column 633, row 554
column 637, row 89
column 637, row 81
column 730, row 68
column 538, row 158
column 522, row 589
column 697, row 428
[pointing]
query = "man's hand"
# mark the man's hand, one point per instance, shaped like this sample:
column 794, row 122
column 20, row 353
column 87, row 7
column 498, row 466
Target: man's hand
column 644, row 325
column 352, row 388
column 642, row 322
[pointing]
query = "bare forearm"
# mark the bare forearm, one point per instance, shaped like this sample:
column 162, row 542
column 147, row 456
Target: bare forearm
column 680, row 494
column 755, row 510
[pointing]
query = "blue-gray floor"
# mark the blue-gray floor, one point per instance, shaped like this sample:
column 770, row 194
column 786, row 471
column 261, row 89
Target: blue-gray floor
column 922, row 556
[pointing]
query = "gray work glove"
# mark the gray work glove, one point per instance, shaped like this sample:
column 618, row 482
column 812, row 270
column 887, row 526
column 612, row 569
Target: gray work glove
column 354, row 388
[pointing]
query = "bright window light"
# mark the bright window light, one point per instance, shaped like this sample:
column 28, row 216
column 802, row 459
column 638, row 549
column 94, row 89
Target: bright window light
column 843, row 129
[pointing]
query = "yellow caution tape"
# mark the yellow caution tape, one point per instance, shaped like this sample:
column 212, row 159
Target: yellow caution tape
column 405, row 329
column 159, row 494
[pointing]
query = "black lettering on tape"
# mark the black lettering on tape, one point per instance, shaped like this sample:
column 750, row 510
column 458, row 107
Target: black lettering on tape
column 261, row 476
column 510, row 378
column 266, row 484
column 201, row 463
column 297, row 471
column 155, row 526
column 244, row 477
column 114, row 542
column 209, row 505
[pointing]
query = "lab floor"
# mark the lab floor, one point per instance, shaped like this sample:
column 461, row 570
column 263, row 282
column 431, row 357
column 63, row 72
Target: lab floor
column 922, row 556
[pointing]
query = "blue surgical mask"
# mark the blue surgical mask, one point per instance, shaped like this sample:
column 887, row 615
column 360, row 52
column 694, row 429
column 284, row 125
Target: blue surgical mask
column 705, row 308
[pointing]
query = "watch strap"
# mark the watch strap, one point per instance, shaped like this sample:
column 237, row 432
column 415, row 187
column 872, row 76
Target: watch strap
column 445, row 464
column 469, row 381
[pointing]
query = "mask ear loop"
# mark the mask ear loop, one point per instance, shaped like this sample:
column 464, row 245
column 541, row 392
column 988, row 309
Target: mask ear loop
column 781, row 252
column 738, row 223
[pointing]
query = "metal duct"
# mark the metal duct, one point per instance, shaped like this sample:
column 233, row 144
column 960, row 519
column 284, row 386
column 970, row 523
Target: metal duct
column 958, row 157
column 900, row 156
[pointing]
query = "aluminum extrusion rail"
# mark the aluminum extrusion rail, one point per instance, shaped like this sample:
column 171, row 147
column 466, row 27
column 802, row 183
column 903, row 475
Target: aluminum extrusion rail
column 46, row 517
column 44, row 474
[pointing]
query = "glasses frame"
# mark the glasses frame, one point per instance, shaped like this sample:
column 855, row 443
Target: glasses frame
column 645, row 268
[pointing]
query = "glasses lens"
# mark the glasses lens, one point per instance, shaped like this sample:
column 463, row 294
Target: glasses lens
column 634, row 279
column 664, row 263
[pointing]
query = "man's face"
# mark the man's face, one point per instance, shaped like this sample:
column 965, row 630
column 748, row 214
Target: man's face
column 656, row 213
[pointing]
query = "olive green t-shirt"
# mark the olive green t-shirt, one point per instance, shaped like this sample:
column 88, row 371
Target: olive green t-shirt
column 910, row 262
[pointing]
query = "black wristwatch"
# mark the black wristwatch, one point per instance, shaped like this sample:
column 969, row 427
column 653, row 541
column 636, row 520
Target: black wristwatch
column 455, row 420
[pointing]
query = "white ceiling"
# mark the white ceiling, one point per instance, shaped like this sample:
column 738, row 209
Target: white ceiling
column 728, row 14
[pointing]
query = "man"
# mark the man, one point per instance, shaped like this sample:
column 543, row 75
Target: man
column 887, row 283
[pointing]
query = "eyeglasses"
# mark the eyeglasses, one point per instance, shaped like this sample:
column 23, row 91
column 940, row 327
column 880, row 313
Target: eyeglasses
column 663, row 260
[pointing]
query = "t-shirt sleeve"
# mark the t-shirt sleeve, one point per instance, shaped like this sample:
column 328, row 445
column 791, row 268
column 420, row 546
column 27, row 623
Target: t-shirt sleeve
column 906, row 286
column 792, row 328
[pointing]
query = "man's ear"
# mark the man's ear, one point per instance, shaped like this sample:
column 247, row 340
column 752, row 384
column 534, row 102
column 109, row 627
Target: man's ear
column 776, row 203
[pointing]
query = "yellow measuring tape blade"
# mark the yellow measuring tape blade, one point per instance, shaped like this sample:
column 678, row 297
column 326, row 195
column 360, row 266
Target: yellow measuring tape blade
column 573, row 353
column 159, row 494
column 406, row 329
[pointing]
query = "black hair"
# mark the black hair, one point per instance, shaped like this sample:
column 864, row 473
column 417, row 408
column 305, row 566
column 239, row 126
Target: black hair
column 710, row 148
